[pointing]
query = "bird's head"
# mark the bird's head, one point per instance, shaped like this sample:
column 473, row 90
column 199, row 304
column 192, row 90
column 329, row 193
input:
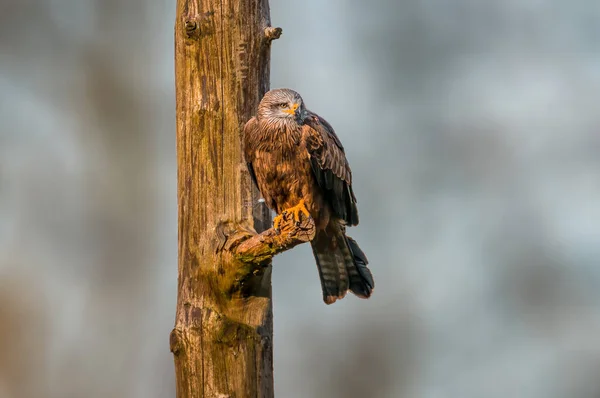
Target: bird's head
column 282, row 105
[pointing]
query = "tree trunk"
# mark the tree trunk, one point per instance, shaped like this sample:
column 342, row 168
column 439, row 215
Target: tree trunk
column 223, row 336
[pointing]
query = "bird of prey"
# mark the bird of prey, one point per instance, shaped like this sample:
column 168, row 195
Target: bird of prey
column 299, row 165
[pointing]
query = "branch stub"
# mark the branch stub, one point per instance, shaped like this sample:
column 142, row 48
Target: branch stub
column 272, row 33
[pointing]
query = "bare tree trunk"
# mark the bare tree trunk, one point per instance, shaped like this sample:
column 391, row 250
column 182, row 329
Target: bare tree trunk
column 223, row 336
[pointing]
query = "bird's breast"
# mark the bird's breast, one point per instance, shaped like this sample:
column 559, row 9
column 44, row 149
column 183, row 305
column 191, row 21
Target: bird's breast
column 282, row 173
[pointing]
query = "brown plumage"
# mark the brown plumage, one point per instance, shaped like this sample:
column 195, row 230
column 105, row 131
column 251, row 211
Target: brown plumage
column 297, row 161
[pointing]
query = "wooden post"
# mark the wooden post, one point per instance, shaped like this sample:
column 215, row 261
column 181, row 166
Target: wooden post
column 222, row 341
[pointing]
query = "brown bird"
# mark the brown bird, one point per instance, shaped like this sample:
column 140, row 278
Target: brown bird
column 299, row 165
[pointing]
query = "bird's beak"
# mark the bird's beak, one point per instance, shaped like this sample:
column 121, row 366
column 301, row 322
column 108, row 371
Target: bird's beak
column 292, row 110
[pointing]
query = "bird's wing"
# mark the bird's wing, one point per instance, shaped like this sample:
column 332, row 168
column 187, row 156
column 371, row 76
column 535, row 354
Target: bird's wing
column 250, row 129
column 330, row 167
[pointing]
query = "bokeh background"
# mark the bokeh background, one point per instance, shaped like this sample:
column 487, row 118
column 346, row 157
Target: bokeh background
column 473, row 130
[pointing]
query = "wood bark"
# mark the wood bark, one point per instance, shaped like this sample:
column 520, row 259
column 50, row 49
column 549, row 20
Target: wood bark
column 222, row 341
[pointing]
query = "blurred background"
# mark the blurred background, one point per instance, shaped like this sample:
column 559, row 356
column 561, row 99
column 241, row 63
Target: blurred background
column 473, row 131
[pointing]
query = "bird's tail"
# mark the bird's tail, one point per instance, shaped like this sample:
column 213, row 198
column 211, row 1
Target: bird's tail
column 342, row 264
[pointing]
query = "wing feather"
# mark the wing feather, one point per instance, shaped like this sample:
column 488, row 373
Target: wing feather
column 330, row 167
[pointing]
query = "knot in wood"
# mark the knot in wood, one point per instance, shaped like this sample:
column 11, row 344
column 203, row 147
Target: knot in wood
column 190, row 27
column 176, row 342
column 199, row 25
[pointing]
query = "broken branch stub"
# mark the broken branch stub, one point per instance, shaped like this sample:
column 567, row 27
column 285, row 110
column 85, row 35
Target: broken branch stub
column 262, row 247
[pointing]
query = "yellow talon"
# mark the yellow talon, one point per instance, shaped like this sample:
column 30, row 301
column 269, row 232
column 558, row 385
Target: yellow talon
column 299, row 208
column 296, row 210
column 277, row 220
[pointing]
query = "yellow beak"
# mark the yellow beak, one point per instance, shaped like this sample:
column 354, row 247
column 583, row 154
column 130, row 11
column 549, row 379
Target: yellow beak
column 291, row 110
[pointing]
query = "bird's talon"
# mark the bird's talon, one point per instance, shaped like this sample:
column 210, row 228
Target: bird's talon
column 277, row 221
column 296, row 210
column 300, row 208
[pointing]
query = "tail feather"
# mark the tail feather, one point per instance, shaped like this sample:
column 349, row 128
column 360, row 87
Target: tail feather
column 342, row 264
column 361, row 279
column 331, row 266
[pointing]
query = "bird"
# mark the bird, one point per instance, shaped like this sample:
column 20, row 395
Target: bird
column 299, row 165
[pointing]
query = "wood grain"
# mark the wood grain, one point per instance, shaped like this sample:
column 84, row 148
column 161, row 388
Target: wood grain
column 222, row 339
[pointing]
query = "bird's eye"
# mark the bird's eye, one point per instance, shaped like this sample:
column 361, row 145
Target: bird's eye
column 283, row 105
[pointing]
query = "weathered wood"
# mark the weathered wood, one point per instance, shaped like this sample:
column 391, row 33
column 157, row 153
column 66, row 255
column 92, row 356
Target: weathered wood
column 222, row 339
column 252, row 252
column 261, row 248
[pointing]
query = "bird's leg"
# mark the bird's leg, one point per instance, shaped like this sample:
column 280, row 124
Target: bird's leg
column 296, row 210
